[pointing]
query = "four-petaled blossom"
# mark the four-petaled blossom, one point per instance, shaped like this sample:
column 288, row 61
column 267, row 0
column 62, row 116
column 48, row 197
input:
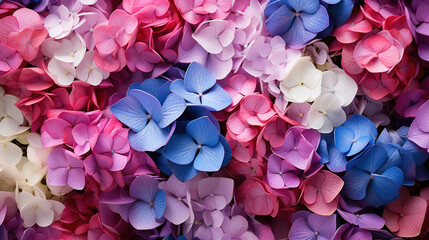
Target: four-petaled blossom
column 146, row 211
column 321, row 192
column 306, row 225
column 200, row 147
column 297, row 22
column 405, row 216
column 419, row 130
column 303, row 83
column 65, row 168
column 199, row 88
column 151, row 120
column 10, row 116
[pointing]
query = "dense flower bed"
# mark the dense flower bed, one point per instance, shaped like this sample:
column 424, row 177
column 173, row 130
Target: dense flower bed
column 214, row 119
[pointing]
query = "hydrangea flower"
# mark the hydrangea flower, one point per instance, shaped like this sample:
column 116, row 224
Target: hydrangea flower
column 298, row 22
column 306, row 225
column 150, row 119
column 65, row 168
column 146, row 211
column 195, row 149
column 199, row 88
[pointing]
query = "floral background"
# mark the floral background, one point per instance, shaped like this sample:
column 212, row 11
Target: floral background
column 214, row 119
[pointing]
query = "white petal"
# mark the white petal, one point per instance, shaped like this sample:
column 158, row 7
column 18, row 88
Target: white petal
column 11, row 154
column 8, row 127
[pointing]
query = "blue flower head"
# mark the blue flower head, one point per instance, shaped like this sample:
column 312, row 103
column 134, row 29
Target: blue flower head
column 296, row 21
column 355, row 135
column 199, row 88
column 200, row 147
column 372, row 179
column 150, row 110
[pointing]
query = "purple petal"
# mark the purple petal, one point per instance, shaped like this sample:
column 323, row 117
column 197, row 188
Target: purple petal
column 144, row 188
column 142, row 216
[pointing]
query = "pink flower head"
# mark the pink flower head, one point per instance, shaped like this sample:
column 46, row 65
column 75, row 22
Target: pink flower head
column 100, row 168
column 85, row 136
column 378, row 52
column 281, row 174
column 242, row 151
column 378, row 85
column 405, row 216
column 385, row 8
column 299, row 147
column 194, row 11
column 141, row 57
column 24, row 32
column 256, row 109
column 148, row 12
column 253, row 168
column 398, row 28
column 215, row 192
column 238, row 87
column 9, row 59
column 257, row 198
column 61, row 21
column 271, row 135
column 321, row 191
column 353, row 29
column 65, row 168
column 24, row 82
column 239, row 129
column 115, row 146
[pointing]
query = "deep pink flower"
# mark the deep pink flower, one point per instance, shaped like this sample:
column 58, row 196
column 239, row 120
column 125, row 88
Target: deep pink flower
column 378, row 52
column 257, row 199
column 238, row 87
column 256, row 109
column 23, row 31
column 84, row 136
column 194, row 11
column 353, row 29
column 271, row 135
column 253, row 168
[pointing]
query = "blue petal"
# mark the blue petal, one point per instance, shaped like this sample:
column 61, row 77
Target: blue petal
column 209, row 159
column 384, row 137
column 151, row 86
column 280, row 21
column 178, row 87
column 149, row 102
column 151, row 138
column 340, row 12
column 386, row 186
column 198, row 111
column 228, row 151
column 344, row 137
column 164, row 92
column 172, row 108
column 198, row 79
column 337, row 160
column 316, row 22
column 131, row 113
column 159, row 203
column 181, row 149
column 162, row 163
column 297, row 36
column 331, row 1
column 203, row 131
column 360, row 144
column 361, row 126
column 322, row 150
column 355, row 184
column 216, row 98
column 271, row 7
column 372, row 159
column 183, row 172
column 308, row 6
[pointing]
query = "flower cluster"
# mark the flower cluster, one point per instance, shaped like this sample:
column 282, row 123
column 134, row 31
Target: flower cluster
column 214, row 119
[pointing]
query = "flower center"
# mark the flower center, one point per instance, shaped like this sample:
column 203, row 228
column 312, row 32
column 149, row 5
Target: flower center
column 302, row 83
column 297, row 14
column 300, row 114
column 401, row 214
column 200, row 94
column 91, row 29
column 211, row 194
column 199, row 146
column 90, row 68
column 217, row 36
column 149, row 116
column 68, row 167
column 280, row 173
column 151, row 204
column 354, row 140
column 316, row 233
column 179, row 198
